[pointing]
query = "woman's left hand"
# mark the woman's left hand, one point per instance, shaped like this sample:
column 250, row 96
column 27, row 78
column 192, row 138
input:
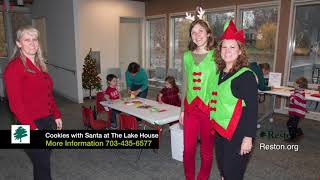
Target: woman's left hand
column 246, row 145
column 136, row 92
column 59, row 124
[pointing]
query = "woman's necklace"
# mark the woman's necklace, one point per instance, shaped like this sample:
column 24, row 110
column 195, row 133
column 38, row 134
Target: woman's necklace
column 224, row 74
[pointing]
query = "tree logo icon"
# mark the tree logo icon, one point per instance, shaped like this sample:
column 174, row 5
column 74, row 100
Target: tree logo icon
column 262, row 134
column 20, row 134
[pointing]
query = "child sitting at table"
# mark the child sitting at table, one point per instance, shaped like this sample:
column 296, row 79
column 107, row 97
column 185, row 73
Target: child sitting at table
column 297, row 108
column 111, row 94
column 170, row 93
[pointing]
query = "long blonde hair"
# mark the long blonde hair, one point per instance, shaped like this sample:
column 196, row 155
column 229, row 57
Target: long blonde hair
column 38, row 60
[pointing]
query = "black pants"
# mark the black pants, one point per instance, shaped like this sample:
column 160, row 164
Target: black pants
column 230, row 163
column 292, row 125
column 40, row 158
column 114, row 117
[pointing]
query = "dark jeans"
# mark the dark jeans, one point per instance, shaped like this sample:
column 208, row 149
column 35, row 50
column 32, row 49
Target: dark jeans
column 292, row 125
column 114, row 117
column 142, row 94
column 40, row 158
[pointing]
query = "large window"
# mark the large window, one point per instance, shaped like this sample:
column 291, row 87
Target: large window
column 217, row 21
column 3, row 49
column 19, row 19
column 180, row 40
column 260, row 27
column 305, row 57
column 157, row 42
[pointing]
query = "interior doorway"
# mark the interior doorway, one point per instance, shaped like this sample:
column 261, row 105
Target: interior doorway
column 130, row 42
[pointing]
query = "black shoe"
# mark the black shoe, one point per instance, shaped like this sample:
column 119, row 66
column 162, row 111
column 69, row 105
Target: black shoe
column 292, row 133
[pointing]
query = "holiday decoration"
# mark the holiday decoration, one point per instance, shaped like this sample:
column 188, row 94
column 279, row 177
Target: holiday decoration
column 231, row 32
column 200, row 14
column 90, row 78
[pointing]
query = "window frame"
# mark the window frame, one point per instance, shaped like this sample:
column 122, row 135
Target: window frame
column 224, row 9
column 171, row 35
column 14, row 9
column 5, row 36
column 291, row 40
column 277, row 4
column 147, row 41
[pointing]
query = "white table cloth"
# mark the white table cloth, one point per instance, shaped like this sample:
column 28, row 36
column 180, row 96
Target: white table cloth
column 169, row 114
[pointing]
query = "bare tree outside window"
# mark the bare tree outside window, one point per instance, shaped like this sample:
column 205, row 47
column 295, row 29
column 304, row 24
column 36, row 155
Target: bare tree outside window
column 260, row 27
column 180, row 39
column 305, row 59
column 157, row 43
column 217, row 21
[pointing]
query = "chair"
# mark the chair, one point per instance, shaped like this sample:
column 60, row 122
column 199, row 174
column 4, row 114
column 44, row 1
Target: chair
column 128, row 122
column 87, row 116
column 101, row 109
column 316, row 75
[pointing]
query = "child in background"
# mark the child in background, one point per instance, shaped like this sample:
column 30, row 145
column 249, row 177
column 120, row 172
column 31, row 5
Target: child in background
column 170, row 93
column 261, row 72
column 111, row 94
column 265, row 67
column 297, row 108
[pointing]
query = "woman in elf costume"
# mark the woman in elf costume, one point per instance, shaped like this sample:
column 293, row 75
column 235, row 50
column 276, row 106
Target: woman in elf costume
column 234, row 113
column 199, row 69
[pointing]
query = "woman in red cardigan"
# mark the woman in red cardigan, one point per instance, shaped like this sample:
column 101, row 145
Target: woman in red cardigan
column 29, row 90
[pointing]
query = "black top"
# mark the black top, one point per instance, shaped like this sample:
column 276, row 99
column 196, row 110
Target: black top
column 245, row 87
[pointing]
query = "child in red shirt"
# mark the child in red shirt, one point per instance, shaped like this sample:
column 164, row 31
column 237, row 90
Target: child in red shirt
column 111, row 94
column 170, row 93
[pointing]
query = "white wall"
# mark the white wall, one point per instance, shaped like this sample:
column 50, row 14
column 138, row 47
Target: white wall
column 130, row 43
column 98, row 22
column 61, row 45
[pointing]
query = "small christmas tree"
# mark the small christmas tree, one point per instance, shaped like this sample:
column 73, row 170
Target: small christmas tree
column 90, row 78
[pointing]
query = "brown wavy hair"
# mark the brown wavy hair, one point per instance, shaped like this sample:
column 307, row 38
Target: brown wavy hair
column 302, row 82
column 242, row 60
column 211, row 39
column 171, row 81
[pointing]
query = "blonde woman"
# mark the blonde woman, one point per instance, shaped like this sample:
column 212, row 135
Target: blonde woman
column 29, row 90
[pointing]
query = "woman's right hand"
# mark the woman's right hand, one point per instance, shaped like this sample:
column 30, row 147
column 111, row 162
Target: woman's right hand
column 181, row 117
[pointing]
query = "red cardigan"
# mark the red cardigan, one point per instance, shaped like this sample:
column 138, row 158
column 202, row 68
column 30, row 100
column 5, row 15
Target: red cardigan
column 29, row 92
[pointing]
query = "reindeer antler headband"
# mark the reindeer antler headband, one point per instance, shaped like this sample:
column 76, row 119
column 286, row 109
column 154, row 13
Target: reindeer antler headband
column 199, row 15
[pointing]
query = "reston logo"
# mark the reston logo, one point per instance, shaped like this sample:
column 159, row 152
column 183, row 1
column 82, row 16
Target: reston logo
column 274, row 135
